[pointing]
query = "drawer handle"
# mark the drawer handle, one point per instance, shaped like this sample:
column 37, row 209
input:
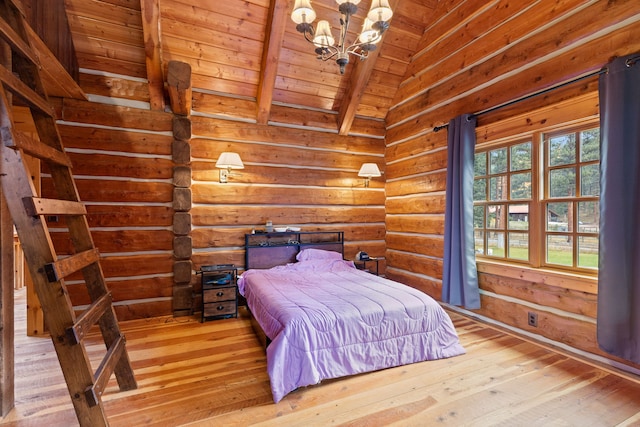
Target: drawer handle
column 220, row 307
column 220, row 294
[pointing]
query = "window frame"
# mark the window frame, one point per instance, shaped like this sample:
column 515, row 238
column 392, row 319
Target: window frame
column 537, row 204
column 508, row 200
column 575, row 199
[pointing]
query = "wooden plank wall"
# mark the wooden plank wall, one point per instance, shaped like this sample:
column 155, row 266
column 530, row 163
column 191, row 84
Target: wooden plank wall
column 477, row 55
column 302, row 174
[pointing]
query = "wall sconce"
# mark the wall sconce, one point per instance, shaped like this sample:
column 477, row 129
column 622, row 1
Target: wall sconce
column 226, row 162
column 368, row 171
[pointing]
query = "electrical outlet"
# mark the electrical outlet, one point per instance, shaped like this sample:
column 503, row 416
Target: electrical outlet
column 532, row 319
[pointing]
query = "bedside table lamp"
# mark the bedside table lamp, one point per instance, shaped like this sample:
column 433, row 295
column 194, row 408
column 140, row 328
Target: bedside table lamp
column 226, row 162
column 368, row 171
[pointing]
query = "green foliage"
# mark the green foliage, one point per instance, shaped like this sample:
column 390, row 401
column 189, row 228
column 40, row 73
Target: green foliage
column 498, row 161
column 521, row 157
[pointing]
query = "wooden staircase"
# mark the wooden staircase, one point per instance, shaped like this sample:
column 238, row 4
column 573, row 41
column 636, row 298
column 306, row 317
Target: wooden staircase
column 48, row 271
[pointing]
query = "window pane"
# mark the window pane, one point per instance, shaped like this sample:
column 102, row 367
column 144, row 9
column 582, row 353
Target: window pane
column 478, row 216
column 521, row 157
column 480, row 164
column 479, row 241
column 521, row 186
column 498, row 187
column 480, row 189
column 588, row 217
column 559, row 216
column 590, row 180
column 588, row 252
column 560, row 250
column 495, row 244
column 518, row 217
column 590, row 145
column 519, row 246
column 562, row 150
column 495, row 216
column 498, row 161
column 562, row 182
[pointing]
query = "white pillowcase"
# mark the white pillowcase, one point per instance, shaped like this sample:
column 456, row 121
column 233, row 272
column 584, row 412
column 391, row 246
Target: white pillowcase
column 315, row 254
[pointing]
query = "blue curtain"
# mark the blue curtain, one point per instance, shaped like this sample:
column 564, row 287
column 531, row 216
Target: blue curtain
column 460, row 278
column 619, row 258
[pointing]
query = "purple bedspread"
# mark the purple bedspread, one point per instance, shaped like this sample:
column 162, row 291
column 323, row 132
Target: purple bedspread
column 326, row 319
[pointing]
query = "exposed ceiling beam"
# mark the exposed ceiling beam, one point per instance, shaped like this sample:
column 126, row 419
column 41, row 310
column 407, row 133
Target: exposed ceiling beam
column 355, row 89
column 150, row 10
column 277, row 20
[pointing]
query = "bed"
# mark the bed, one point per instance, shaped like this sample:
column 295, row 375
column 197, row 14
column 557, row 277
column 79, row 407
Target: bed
column 325, row 319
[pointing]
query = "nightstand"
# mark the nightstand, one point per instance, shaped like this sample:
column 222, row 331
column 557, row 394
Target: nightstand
column 362, row 265
column 219, row 291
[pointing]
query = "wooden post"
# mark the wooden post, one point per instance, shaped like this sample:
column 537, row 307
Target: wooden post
column 179, row 88
column 6, row 310
column 7, row 383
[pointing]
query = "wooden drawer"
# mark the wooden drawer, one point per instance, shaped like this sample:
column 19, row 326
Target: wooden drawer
column 219, row 294
column 222, row 308
column 219, row 291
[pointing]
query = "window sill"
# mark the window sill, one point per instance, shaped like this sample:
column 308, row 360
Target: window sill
column 573, row 281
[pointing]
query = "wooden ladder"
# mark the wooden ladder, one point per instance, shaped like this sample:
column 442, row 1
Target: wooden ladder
column 28, row 211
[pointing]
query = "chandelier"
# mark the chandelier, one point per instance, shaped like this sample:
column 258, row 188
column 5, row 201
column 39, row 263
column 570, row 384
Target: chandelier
column 375, row 24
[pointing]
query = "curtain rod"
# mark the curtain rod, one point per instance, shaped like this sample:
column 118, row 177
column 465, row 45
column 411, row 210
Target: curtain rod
column 630, row 62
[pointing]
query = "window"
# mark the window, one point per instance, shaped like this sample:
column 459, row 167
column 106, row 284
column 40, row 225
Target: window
column 502, row 196
column 539, row 212
column 572, row 189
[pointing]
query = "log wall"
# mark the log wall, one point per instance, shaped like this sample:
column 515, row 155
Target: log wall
column 475, row 56
column 124, row 155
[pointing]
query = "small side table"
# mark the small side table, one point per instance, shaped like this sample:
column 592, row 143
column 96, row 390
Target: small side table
column 362, row 265
column 219, row 291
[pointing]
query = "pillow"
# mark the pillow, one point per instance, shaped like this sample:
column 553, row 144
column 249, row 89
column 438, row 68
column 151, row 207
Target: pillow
column 311, row 254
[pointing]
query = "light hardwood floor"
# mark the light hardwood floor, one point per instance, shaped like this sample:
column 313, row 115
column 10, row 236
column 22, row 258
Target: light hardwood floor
column 214, row 374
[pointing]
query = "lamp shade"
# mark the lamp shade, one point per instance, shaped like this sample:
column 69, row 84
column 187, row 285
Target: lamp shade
column 380, row 11
column 348, row 1
column 369, row 170
column 303, row 12
column 229, row 161
column 323, row 37
column 369, row 34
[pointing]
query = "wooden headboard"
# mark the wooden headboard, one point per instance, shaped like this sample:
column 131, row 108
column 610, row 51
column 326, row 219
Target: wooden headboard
column 266, row 250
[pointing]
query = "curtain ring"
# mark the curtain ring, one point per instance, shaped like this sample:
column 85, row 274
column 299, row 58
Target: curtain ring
column 630, row 62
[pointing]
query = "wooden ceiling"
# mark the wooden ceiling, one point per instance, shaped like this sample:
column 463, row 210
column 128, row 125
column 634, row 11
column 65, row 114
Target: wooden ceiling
column 248, row 50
